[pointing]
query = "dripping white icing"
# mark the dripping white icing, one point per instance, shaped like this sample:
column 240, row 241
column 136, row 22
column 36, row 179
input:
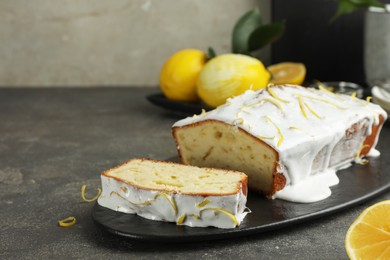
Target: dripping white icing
column 305, row 122
column 374, row 153
column 310, row 189
column 123, row 197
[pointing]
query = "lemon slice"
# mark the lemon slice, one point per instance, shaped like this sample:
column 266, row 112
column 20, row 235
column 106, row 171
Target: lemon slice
column 287, row 73
column 369, row 235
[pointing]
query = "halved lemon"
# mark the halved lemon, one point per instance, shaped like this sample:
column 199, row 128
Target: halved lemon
column 369, row 235
column 287, row 73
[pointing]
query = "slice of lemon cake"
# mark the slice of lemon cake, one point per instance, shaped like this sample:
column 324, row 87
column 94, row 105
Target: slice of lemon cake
column 289, row 140
column 187, row 195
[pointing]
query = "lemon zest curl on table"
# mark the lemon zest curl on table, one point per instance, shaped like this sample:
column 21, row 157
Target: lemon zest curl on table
column 68, row 222
column 89, row 200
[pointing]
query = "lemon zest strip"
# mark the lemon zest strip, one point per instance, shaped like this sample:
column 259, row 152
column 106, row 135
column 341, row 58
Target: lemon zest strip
column 312, row 111
column 363, row 162
column 353, row 95
column 239, row 120
column 276, row 103
column 69, row 221
column 196, row 217
column 281, row 137
column 368, row 99
column 146, row 203
column 266, row 137
column 294, row 127
column 89, row 200
column 300, row 102
column 273, row 94
column 325, row 101
column 181, row 219
column 169, row 199
column 361, row 149
column 224, row 211
column 203, row 203
column 357, row 157
column 322, row 87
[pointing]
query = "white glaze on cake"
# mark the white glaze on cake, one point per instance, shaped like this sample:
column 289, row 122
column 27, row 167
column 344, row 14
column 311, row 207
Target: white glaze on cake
column 298, row 123
column 195, row 211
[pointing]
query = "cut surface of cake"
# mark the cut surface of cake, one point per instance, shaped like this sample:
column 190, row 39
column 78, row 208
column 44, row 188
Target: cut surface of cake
column 288, row 139
column 187, row 195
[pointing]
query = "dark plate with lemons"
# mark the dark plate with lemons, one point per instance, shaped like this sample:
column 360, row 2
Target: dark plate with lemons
column 187, row 108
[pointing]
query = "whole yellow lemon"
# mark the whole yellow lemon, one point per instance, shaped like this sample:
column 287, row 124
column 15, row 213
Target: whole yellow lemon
column 179, row 74
column 229, row 75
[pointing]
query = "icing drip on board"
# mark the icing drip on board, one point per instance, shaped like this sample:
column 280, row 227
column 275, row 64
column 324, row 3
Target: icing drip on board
column 303, row 123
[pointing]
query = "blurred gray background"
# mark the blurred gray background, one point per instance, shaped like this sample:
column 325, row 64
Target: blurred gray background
column 109, row 43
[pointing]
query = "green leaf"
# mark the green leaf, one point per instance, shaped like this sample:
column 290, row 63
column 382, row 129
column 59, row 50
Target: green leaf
column 265, row 35
column 211, row 53
column 345, row 7
column 367, row 3
column 243, row 29
column 349, row 6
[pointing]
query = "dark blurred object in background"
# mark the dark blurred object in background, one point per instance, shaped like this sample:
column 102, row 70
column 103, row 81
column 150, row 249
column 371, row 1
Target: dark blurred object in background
column 331, row 51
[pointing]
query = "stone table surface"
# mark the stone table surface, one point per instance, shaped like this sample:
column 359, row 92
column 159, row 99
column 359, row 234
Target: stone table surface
column 52, row 141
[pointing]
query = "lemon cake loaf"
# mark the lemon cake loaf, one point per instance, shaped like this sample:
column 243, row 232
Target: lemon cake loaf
column 187, row 195
column 288, row 139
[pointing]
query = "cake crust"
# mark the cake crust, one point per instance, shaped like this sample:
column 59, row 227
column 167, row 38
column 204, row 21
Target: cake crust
column 242, row 185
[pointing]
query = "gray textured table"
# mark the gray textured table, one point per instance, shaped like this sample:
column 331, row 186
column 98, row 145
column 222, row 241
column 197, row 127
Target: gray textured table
column 52, row 141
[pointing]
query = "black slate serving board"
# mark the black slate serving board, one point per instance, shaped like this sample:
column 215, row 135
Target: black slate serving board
column 357, row 184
